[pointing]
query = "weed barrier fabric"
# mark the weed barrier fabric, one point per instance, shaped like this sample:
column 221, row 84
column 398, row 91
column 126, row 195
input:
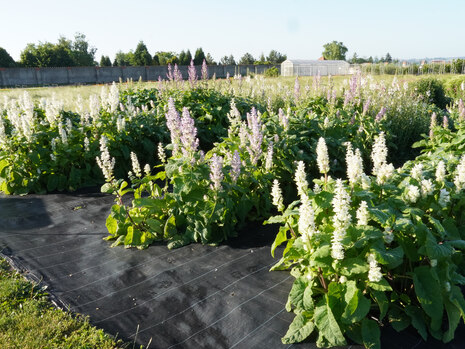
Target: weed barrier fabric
column 192, row 297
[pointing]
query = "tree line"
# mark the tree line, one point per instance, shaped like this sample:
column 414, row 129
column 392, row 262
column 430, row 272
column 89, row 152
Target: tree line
column 78, row 52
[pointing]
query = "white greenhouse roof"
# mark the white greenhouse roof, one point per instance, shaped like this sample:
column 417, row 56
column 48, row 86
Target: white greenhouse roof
column 314, row 62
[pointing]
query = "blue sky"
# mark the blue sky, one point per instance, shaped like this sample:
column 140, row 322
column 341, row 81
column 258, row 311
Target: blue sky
column 298, row 28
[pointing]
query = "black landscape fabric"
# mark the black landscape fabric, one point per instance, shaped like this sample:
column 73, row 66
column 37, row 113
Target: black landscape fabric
column 192, row 297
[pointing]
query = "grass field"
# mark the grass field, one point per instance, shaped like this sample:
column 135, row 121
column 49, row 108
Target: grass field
column 29, row 320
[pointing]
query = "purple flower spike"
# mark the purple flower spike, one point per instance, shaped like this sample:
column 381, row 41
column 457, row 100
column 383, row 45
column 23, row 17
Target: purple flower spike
column 173, row 122
column 296, row 88
column 192, row 73
column 204, row 70
column 216, row 172
column 381, row 113
column 366, row 106
column 169, row 75
column 461, row 109
column 255, row 136
column 177, row 73
column 189, row 140
column 235, row 166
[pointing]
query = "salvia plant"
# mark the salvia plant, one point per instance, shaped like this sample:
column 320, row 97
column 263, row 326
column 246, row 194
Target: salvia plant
column 193, row 196
column 374, row 249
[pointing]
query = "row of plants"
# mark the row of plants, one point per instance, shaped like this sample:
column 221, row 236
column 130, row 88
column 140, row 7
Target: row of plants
column 373, row 250
column 45, row 148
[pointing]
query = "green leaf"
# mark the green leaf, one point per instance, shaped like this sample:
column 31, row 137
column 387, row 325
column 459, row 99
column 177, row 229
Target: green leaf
column 133, row 237
column 107, row 188
column 323, row 199
column 382, row 302
column 381, row 285
column 429, row 294
column 329, row 330
column 52, row 182
column 371, row 334
column 296, row 296
column 398, row 319
column 111, row 224
column 152, row 203
column 453, row 317
column 456, row 297
column 357, row 306
column 451, row 226
column 353, row 266
column 275, row 220
column 280, row 238
column 155, row 225
column 307, row 300
column 459, row 244
column 380, row 216
column 335, row 296
column 170, row 227
column 457, row 278
column 300, row 328
column 437, row 251
column 418, row 320
column 390, row 257
column 439, row 228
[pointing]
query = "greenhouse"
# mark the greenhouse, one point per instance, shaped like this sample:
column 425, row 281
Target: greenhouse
column 303, row 67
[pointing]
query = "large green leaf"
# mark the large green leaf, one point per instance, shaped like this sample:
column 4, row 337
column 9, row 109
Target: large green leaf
column 382, row 302
column 296, row 296
column 52, row 182
column 381, row 285
column 398, row 319
column 111, row 224
column 280, row 238
column 328, row 328
column 453, row 317
column 357, row 306
column 353, row 266
column 429, row 294
column 301, row 327
column 418, row 320
column 436, row 250
column 390, row 257
column 371, row 334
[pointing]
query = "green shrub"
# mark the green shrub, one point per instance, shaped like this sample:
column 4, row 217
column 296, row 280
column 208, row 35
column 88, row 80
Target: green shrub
column 272, row 72
column 453, row 87
column 433, row 91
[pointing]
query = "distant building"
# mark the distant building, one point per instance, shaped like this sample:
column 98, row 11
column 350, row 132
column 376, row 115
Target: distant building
column 303, row 67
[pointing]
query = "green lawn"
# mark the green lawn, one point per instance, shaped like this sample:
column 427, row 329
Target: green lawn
column 29, row 320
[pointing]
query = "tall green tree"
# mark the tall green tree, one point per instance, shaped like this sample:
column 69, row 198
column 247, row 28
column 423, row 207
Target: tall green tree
column 388, row 58
column 199, row 56
column 65, row 53
column 261, row 60
column 165, row 58
column 82, row 53
column 228, row 60
column 6, row 61
column 275, row 57
column 123, row 59
column 247, row 58
column 141, row 55
column 209, row 59
column 105, row 61
column 185, row 57
column 334, row 51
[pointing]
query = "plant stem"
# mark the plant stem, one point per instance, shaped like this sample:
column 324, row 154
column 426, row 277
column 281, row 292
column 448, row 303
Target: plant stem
column 292, row 230
column 322, row 280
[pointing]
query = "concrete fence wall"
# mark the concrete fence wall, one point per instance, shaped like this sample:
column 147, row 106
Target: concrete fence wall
column 16, row 77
